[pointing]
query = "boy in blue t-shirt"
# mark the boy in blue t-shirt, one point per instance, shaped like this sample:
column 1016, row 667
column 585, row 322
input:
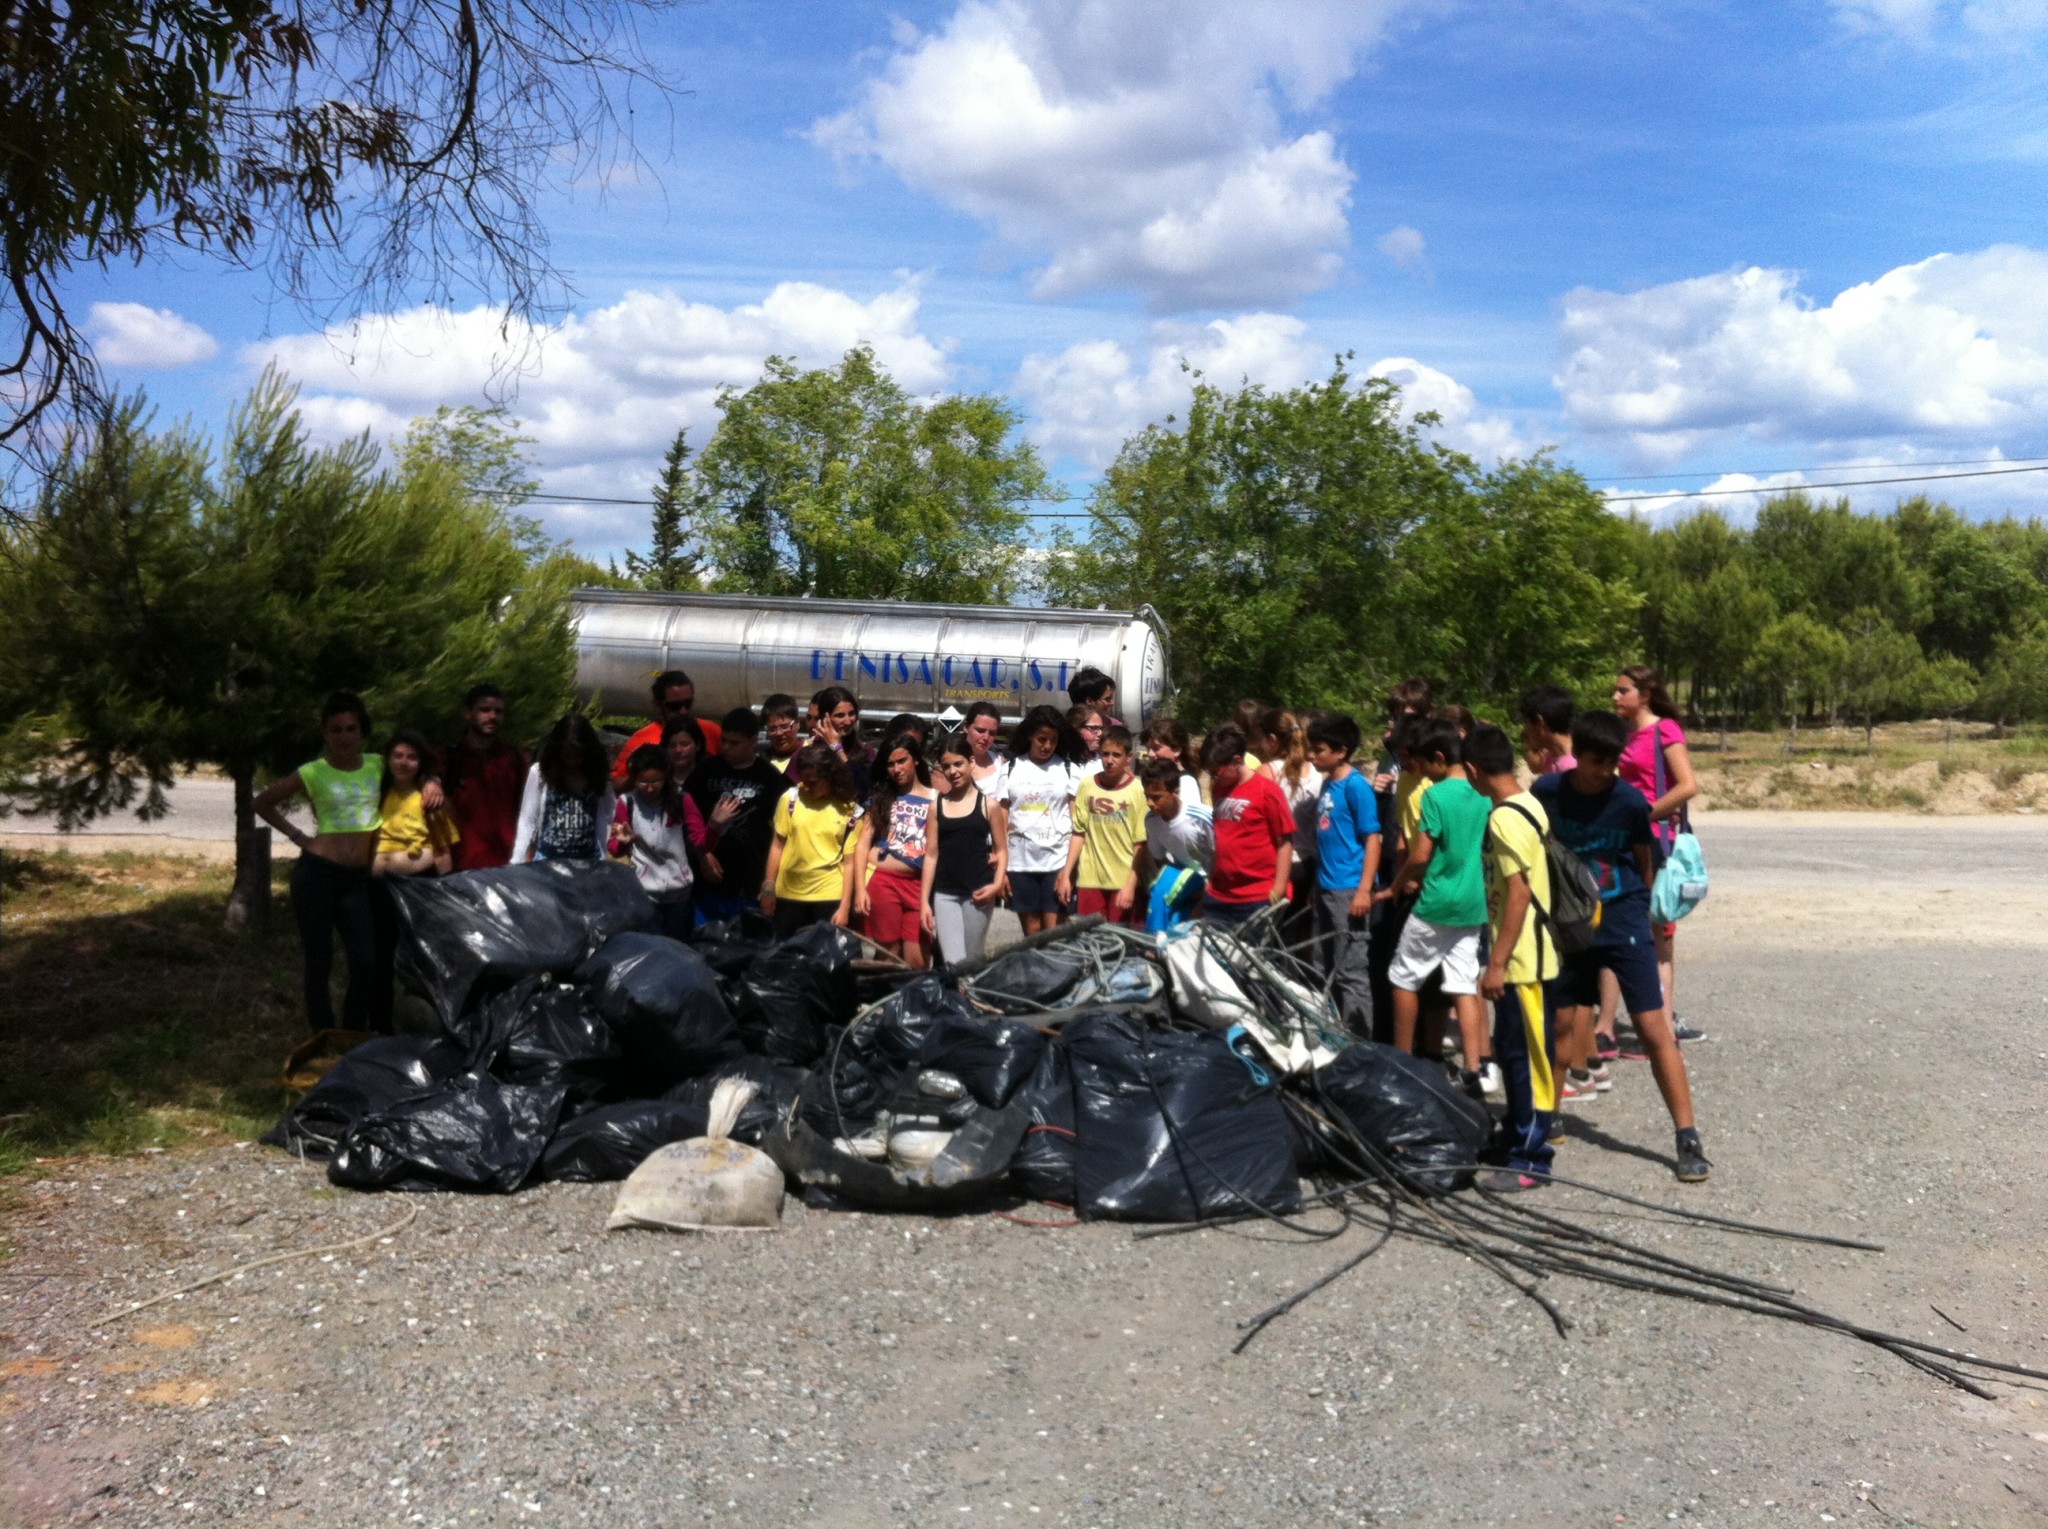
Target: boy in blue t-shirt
column 1606, row 822
column 1347, row 864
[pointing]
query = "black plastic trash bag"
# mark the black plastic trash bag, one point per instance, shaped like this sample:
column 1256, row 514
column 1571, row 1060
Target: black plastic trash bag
column 1173, row 1126
column 891, row 1037
column 1409, row 1109
column 375, row 1076
column 472, row 1133
column 777, row 1087
column 612, row 1140
column 1044, row 1165
column 789, row 996
column 1029, row 980
column 732, row 944
column 993, row 1057
column 514, row 921
column 542, row 1031
column 842, row 1095
column 662, row 1001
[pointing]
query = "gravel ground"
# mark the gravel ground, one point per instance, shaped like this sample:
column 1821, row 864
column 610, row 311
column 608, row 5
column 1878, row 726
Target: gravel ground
column 506, row 1361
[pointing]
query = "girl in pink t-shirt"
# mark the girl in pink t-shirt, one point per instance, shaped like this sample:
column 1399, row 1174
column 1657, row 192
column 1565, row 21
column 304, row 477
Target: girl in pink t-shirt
column 1656, row 763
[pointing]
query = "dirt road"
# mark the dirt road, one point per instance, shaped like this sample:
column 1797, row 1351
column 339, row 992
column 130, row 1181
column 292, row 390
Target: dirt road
column 1878, row 1066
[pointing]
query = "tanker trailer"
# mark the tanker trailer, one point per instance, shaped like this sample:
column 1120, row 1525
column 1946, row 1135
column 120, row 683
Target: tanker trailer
column 894, row 656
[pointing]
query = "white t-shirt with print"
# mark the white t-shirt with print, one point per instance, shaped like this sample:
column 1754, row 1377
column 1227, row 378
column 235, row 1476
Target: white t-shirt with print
column 1040, row 799
column 1186, row 839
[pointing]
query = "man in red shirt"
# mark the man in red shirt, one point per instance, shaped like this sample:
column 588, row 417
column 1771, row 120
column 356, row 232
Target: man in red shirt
column 1254, row 832
column 674, row 696
column 483, row 776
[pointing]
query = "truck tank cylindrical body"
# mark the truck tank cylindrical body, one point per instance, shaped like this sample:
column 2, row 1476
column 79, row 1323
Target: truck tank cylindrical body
column 893, row 656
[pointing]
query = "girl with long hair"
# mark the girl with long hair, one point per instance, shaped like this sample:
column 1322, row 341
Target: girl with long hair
column 567, row 809
column 1657, row 763
column 413, row 840
column 965, row 875
column 895, row 843
column 660, row 831
column 1038, row 796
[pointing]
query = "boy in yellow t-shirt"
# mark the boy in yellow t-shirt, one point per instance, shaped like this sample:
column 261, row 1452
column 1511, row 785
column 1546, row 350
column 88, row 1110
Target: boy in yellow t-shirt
column 1523, row 958
column 1109, row 825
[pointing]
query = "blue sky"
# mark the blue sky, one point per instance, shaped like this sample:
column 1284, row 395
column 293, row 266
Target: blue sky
column 1673, row 241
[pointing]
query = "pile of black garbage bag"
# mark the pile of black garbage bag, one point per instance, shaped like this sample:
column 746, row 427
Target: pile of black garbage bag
column 573, row 1041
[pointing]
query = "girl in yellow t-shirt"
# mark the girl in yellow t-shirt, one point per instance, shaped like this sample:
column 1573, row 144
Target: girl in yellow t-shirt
column 810, row 870
column 413, row 840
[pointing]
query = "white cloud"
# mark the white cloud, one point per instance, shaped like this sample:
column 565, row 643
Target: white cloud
column 1952, row 348
column 602, row 393
column 1138, row 143
column 1461, row 424
column 1091, row 397
column 142, row 338
column 1406, row 248
column 1922, row 21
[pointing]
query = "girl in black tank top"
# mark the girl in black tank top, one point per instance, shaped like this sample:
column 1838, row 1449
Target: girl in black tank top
column 965, row 876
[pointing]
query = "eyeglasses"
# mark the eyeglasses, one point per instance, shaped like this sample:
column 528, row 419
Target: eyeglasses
column 1091, row 727
column 679, row 705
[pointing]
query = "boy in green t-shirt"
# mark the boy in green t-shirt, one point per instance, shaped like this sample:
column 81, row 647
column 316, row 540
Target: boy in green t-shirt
column 1446, row 857
column 1109, row 825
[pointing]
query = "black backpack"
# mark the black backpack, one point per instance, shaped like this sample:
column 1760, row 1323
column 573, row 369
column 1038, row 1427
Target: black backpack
column 1574, row 911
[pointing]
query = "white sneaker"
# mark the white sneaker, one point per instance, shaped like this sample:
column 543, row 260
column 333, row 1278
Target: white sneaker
column 1603, row 1077
column 1491, row 1083
column 1577, row 1090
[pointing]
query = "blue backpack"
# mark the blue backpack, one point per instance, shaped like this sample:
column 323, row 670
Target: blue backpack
column 1681, row 883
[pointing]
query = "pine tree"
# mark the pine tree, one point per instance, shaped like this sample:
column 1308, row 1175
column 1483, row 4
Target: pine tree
column 668, row 563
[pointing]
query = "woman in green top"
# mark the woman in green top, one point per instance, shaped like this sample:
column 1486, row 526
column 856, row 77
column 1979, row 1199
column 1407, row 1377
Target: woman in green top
column 331, row 888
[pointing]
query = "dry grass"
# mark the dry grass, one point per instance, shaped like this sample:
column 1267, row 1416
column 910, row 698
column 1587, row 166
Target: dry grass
column 1909, row 767
column 133, row 1019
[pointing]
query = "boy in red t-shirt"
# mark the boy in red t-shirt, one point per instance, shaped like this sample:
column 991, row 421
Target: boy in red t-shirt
column 1254, row 832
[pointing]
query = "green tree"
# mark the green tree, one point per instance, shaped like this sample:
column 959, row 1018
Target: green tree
column 371, row 150
column 162, row 611
column 836, row 482
column 1883, row 664
column 1714, row 622
column 1264, row 529
column 2015, row 687
column 1801, row 663
column 1830, row 562
column 670, row 562
column 1521, row 578
column 1945, row 686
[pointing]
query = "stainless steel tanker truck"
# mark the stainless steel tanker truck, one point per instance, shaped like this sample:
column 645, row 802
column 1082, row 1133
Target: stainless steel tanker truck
column 928, row 659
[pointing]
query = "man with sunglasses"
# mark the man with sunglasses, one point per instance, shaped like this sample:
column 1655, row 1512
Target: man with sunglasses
column 674, row 696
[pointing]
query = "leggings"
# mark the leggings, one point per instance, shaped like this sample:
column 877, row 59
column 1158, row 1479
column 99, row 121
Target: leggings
column 961, row 925
column 330, row 899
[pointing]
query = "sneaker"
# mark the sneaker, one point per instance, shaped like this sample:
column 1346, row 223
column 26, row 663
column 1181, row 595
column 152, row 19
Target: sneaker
column 1603, row 1077
column 1507, row 1181
column 1686, row 1032
column 1469, row 1082
column 1693, row 1167
column 1491, row 1083
column 1577, row 1088
column 1607, row 1047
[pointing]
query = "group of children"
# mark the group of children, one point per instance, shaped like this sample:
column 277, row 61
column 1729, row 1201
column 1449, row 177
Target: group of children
column 1421, row 884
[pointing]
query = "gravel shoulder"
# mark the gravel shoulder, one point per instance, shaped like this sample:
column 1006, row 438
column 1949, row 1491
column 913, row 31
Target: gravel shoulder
column 1879, row 1066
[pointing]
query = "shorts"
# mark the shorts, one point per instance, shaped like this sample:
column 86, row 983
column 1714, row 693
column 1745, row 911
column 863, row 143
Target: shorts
column 1426, row 947
column 1034, row 892
column 1096, row 900
column 895, row 908
column 1633, row 961
column 792, row 914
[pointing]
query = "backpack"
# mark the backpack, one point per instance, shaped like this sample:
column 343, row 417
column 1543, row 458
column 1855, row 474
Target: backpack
column 1575, row 908
column 1681, row 883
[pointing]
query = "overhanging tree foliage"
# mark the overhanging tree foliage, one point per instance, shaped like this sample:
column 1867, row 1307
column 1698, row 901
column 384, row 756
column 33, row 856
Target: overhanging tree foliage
column 162, row 610
column 363, row 150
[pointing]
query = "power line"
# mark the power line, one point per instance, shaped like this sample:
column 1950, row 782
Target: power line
column 1825, row 467
column 2037, row 464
